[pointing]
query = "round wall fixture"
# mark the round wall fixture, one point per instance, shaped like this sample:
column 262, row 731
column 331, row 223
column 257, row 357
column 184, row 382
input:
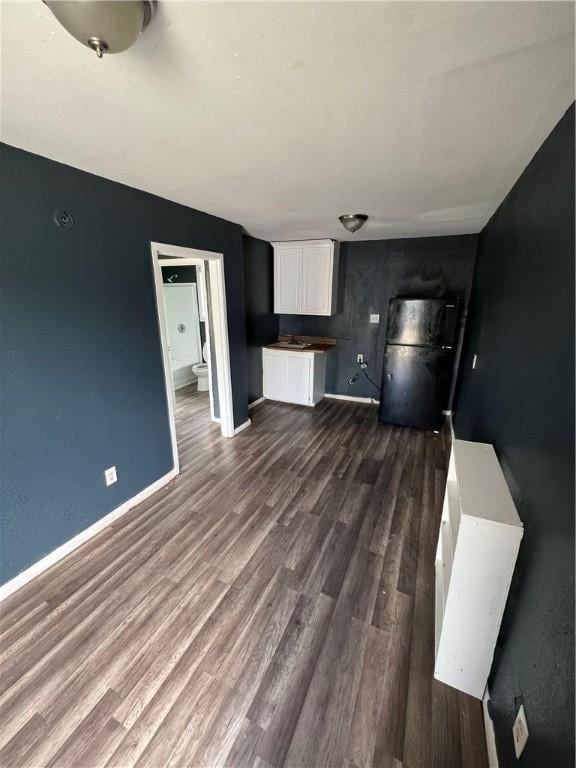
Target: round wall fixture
column 106, row 26
column 353, row 221
column 63, row 219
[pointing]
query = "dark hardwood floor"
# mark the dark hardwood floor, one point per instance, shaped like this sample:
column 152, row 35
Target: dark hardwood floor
column 271, row 607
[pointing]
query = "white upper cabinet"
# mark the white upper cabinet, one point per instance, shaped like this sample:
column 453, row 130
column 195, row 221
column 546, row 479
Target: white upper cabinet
column 305, row 277
column 287, row 271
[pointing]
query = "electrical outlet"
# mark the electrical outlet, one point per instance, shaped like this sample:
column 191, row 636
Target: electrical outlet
column 374, row 318
column 520, row 731
column 110, row 476
column 474, row 361
column 360, row 358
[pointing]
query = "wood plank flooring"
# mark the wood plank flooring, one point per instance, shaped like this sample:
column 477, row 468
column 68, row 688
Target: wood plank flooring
column 271, row 607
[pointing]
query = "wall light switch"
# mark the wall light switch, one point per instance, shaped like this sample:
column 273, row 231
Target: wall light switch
column 520, row 731
column 110, row 476
column 374, row 318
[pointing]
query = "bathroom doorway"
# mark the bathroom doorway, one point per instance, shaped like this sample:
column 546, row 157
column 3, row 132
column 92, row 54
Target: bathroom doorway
column 188, row 323
column 191, row 304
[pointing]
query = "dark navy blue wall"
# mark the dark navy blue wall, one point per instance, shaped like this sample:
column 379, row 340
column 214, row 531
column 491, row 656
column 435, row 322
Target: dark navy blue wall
column 179, row 274
column 82, row 377
column 371, row 273
column 261, row 322
column 520, row 397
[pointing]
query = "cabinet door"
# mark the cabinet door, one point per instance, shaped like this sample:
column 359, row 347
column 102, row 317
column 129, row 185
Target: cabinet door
column 287, row 275
column 298, row 379
column 274, row 375
column 316, row 290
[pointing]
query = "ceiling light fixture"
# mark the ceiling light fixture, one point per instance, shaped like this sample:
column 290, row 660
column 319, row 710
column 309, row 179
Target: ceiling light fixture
column 353, row 221
column 106, row 26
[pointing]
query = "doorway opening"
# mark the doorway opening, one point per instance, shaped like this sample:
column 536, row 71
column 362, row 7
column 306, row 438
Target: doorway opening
column 191, row 306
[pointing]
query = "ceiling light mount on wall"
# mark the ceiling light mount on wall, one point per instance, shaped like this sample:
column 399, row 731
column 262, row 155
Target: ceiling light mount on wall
column 353, row 221
column 106, row 26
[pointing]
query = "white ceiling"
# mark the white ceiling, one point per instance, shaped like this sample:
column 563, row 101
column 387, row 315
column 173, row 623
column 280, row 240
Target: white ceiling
column 281, row 116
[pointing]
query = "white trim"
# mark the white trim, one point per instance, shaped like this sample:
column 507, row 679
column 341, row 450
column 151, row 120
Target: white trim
column 255, row 403
column 69, row 546
column 220, row 330
column 205, row 314
column 489, row 730
column 353, row 398
column 165, row 347
column 242, row 427
column 304, row 243
column 222, row 351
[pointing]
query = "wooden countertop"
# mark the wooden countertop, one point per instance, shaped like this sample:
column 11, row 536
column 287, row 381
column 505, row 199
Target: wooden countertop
column 311, row 348
column 316, row 343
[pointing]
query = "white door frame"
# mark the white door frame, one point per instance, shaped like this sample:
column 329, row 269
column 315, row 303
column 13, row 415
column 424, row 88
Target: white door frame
column 220, row 331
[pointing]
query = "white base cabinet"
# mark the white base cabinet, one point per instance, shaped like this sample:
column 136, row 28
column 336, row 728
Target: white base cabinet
column 294, row 377
column 479, row 538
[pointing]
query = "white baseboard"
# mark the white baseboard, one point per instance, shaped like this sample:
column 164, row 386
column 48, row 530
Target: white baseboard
column 353, row 398
column 73, row 543
column 243, row 426
column 489, row 730
column 256, row 402
column 185, row 383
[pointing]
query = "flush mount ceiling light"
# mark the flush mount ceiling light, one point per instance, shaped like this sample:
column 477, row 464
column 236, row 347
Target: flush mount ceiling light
column 106, row 26
column 353, row 221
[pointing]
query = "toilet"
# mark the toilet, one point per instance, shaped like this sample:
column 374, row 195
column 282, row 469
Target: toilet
column 200, row 370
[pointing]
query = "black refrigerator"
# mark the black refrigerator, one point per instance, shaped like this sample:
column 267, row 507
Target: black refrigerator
column 418, row 360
